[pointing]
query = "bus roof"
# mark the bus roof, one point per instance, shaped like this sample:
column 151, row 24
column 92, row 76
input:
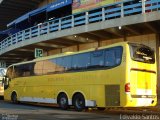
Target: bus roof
column 70, row 53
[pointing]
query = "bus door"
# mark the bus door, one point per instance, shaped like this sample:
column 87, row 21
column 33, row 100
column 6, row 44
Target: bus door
column 142, row 75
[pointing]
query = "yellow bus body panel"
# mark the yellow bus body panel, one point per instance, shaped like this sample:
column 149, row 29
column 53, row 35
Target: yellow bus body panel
column 97, row 85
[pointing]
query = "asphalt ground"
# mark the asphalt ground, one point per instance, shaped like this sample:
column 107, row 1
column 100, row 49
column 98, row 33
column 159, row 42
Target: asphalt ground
column 25, row 111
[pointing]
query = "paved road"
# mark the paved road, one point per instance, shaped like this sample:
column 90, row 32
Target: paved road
column 34, row 112
column 9, row 111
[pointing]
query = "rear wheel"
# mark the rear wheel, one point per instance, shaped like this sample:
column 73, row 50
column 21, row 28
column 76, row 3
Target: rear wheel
column 63, row 101
column 101, row 108
column 79, row 102
column 14, row 97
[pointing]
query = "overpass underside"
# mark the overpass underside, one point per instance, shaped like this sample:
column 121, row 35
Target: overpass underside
column 135, row 28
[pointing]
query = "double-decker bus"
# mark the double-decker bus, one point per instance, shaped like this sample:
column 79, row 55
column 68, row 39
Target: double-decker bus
column 119, row 75
column 2, row 74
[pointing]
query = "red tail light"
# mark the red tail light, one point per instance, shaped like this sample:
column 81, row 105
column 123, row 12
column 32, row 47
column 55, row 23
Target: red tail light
column 127, row 87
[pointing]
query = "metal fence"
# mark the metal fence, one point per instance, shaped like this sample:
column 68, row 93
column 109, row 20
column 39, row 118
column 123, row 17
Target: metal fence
column 108, row 12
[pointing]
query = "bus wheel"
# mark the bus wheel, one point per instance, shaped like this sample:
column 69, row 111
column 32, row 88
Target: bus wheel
column 79, row 102
column 101, row 108
column 14, row 97
column 63, row 101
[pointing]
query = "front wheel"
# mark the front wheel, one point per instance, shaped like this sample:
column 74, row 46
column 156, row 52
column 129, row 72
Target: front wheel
column 14, row 97
column 79, row 102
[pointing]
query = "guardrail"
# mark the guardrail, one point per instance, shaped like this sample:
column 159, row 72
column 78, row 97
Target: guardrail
column 112, row 11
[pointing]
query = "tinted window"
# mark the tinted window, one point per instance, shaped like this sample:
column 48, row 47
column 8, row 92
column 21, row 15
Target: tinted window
column 49, row 66
column 110, row 57
column 67, row 63
column 38, row 68
column 75, row 62
column 142, row 53
column 84, row 60
column 113, row 56
column 118, row 52
column 59, row 64
column 81, row 61
column 9, row 72
column 97, row 58
column 23, row 70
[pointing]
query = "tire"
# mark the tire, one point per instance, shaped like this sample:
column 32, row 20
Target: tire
column 101, row 108
column 79, row 102
column 63, row 101
column 14, row 98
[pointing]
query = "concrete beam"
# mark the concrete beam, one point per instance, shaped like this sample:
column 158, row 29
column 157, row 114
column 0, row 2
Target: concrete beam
column 151, row 27
column 115, row 31
column 132, row 30
column 102, row 34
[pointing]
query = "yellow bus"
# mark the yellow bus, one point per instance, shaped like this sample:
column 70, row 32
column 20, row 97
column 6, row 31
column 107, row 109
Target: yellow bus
column 119, row 75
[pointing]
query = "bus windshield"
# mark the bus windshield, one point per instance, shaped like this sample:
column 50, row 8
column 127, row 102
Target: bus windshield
column 142, row 53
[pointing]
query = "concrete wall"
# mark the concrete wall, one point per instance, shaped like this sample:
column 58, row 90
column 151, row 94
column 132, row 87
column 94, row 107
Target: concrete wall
column 70, row 49
column 149, row 40
column 108, row 42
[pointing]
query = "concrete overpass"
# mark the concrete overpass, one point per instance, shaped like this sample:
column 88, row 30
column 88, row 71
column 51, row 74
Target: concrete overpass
column 119, row 20
column 130, row 26
column 93, row 26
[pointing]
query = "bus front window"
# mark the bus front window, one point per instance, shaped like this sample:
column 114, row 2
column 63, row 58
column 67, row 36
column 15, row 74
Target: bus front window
column 9, row 73
column 142, row 53
column 8, row 77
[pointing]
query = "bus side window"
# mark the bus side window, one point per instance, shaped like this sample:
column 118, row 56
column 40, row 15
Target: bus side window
column 75, row 62
column 28, row 69
column 59, row 64
column 97, row 58
column 17, row 72
column 38, row 68
column 110, row 58
column 81, row 61
column 49, row 66
column 118, row 55
column 113, row 56
column 67, row 63
column 84, row 60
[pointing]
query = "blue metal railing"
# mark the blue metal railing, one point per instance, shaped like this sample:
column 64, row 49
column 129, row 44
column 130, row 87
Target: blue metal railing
column 112, row 11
